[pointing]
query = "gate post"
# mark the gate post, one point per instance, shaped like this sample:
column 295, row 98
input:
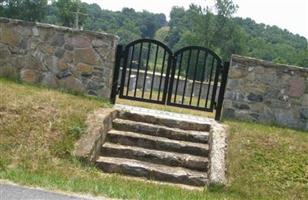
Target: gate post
column 224, row 77
column 117, row 65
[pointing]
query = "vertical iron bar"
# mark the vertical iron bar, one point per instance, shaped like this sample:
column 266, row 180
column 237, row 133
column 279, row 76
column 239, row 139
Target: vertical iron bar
column 130, row 70
column 173, row 69
column 116, row 71
column 195, row 74
column 187, row 70
column 124, row 69
column 203, row 77
column 222, row 89
column 177, row 80
column 154, row 70
column 146, row 69
column 139, row 63
column 209, row 86
column 166, row 85
column 161, row 75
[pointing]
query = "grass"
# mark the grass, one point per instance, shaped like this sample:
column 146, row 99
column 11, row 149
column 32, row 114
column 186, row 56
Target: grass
column 39, row 127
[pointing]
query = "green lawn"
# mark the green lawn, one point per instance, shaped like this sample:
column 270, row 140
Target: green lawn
column 38, row 128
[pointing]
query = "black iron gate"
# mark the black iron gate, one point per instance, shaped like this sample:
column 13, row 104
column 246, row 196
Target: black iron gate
column 193, row 77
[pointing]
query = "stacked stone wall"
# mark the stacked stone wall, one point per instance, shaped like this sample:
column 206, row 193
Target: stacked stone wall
column 57, row 57
column 261, row 91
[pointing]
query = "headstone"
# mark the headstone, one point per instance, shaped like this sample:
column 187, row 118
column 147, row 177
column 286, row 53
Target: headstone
column 148, row 82
column 132, row 82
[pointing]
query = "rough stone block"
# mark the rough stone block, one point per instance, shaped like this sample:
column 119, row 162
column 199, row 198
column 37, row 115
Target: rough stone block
column 100, row 43
column 35, row 31
column 59, row 53
column 49, row 80
column 62, row 65
column 84, row 69
column 285, row 117
column 4, row 52
column 79, row 41
column 87, row 56
column 58, row 40
column 69, row 47
column 72, row 83
column 229, row 113
column 304, row 113
column 241, row 106
column 63, row 74
column 9, row 36
column 255, row 97
column 296, row 87
column 305, row 100
column 9, row 71
column 29, row 76
column 237, row 72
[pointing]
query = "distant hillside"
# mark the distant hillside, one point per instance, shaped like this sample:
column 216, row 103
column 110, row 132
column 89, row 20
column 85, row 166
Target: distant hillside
column 194, row 26
column 273, row 43
column 244, row 36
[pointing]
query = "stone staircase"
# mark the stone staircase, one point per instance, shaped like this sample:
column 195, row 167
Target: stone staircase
column 156, row 148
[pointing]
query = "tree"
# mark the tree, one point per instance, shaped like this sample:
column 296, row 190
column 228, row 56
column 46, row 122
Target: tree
column 204, row 27
column 213, row 28
column 67, row 11
column 128, row 33
column 30, row 10
column 162, row 33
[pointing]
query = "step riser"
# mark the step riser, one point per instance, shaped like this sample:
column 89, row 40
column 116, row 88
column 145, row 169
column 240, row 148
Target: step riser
column 150, row 174
column 177, row 161
column 164, row 122
column 159, row 131
column 158, row 145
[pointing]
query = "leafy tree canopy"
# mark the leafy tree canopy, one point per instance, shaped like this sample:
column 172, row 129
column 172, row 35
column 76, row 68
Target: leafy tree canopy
column 214, row 28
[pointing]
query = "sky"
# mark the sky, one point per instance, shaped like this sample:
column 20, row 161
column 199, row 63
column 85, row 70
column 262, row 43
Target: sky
column 287, row 14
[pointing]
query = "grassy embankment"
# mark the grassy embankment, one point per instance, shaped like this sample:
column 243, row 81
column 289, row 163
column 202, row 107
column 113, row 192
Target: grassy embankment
column 38, row 128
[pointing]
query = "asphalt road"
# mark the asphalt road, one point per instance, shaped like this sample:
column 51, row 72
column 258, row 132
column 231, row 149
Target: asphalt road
column 15, row 192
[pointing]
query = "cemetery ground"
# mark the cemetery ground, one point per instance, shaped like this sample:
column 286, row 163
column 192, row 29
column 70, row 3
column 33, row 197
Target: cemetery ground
column 38, row 128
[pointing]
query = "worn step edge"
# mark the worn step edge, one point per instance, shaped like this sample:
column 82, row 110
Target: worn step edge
column 152, row 171
column 158, row 143
column 159, row 157
column 173, row 123
column 162, row 131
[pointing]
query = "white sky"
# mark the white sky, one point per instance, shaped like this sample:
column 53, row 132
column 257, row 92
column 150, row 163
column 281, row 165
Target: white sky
column 289, row 14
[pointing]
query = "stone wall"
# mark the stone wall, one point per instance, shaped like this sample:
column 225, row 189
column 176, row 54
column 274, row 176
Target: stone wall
column 261, row 91
column 57, row 57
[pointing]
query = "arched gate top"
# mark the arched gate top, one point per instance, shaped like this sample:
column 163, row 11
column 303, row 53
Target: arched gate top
column 209, row 51
column 146, row 40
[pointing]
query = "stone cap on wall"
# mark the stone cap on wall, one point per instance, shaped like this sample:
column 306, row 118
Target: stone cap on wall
column 59, row 28
column 252, row 62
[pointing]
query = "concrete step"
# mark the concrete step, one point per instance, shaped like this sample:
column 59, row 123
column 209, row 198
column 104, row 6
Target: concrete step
column 161, row 131
column 154, row 156
column 173, row 123
column 158, row 143
column 152, row 171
